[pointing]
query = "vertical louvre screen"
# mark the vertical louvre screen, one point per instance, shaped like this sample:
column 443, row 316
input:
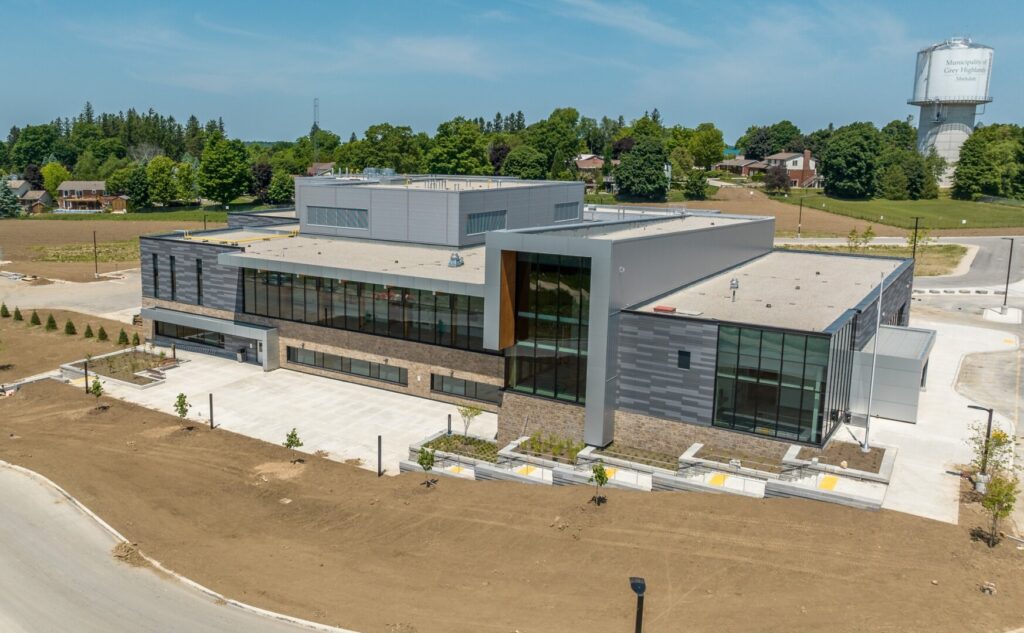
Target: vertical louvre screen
column 340, row 217
column 477, row 223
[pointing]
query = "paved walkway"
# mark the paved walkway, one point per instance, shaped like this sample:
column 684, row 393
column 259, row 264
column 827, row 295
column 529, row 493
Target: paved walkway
column 332, row 415
column 922, row 483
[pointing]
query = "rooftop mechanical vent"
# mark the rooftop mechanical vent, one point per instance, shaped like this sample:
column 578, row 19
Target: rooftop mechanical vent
column 455, row 260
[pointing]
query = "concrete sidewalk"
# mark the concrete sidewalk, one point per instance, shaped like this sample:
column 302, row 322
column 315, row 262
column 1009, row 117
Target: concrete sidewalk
column 925, row 480
column 339, row 417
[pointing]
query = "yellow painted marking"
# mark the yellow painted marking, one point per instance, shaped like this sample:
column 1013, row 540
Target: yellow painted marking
column 525, row 470
column 1009, row 341
column 718, row 479
column 828, row 482
column 611, row 472
column 456, row 469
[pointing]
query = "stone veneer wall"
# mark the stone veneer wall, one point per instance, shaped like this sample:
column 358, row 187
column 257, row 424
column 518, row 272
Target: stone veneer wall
column 523, row 415
column 673, row 438
column 419, row 359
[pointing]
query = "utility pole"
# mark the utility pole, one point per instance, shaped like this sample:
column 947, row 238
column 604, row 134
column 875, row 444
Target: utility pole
column 95, row 257
column 874, row 362
column 917, row 219
column 800, row 218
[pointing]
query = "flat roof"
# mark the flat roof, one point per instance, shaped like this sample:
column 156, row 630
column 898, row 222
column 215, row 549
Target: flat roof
column 240, row 236
column 431, row 182
column 637, row 227
column 904, row 342
column 805, row 291
column 370, row 256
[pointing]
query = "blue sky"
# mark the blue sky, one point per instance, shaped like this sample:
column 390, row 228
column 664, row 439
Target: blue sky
column 260, row 64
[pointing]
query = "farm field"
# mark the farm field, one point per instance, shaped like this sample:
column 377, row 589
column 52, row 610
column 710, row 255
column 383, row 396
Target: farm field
column 29, row 244
column 333, row 543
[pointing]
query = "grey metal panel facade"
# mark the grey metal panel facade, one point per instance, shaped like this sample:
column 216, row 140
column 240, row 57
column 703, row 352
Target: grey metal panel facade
column 896, row 294
column 245, row 220
column 622, row 274
column 650, row 381
column 237, row 335
column 222, row 284
column 897, row 386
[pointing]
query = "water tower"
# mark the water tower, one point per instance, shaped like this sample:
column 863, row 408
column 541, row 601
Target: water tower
column 951, row 81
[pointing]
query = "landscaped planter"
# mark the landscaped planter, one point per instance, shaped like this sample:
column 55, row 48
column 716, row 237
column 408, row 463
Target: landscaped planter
column 76, row 369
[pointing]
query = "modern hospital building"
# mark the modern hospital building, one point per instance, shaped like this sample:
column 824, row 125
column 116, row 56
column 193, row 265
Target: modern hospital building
column 654, row 330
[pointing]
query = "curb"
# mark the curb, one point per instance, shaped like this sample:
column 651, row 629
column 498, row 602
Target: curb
column 313, row 626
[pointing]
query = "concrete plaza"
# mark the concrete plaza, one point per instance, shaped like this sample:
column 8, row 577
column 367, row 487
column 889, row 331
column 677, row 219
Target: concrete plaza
column 339, row 417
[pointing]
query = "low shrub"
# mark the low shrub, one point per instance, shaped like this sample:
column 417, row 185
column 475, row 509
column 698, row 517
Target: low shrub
column 88, row 331
column 51, row 323
column 135, row 339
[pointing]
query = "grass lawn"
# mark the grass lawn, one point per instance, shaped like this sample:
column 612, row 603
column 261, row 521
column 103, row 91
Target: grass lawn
column 123, row 251
column 188, row 215
column 941, row 213
column 932, row 259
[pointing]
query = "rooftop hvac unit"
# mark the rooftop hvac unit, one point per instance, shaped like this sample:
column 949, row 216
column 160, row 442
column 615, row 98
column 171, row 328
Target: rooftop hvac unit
column 455, row 260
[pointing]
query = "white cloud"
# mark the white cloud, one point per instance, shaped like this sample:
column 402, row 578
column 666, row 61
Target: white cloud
column 628, row 17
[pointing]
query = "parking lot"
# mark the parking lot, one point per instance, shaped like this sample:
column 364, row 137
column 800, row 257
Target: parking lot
column 339, row 417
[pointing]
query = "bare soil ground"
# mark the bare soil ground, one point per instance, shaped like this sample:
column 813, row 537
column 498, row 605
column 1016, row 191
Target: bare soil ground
column 383, row 555
column 816, row 223
column 838, row 452
column 26, row 350
column 19, row 240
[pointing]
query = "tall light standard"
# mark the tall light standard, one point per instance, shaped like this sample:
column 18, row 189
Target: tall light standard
column 1009, row 262
column 866, row 447
column 639, row 586
column 982, row 482
column 917, row 219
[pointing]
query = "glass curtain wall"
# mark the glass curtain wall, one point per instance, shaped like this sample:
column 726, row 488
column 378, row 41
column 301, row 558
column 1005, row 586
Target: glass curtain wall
column 549, row 357
column 424, row 316
column 772, row 383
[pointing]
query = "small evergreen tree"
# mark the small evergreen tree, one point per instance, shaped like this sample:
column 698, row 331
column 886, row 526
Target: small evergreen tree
column 34, row 319
column 4, row 312
column 135, row 339
column 101, row 335
column 51, row 323
column 292, row 439
column 88, row 331
column 17, row 314
column 96, row 389
column 599, row 478
column 426, row 461
column 122, row 337
column 69, row 328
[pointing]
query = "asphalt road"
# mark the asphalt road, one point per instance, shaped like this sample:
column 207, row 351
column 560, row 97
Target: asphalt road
column 57, row 574
column 987, row 270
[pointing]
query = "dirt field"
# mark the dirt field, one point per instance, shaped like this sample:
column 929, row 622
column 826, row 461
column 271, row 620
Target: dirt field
column 816, row 223
column 26, row 350
column 331, row 542
column 19, row 237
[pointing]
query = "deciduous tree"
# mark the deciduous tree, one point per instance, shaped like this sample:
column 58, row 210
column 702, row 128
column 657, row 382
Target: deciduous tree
column 642, row 171
column 53, row 175
column 525, row 162
column 850, row 162
column 160, row 178
column 223, row 170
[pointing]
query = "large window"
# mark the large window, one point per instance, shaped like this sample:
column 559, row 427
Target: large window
column 482, row 222
column 772, row 383
column 156, row 276
column 552, row 299
column 346, row 365
column 425, row 316
column 343, row 218
column 199, row 282
column 190, row 334
column 465, row 388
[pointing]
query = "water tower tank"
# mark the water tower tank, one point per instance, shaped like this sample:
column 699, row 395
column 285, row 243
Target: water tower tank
column 951, row 80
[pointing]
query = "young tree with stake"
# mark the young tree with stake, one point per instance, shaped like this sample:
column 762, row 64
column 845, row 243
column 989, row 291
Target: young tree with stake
column 999, row 500
column 599, row 478
column 426, row 461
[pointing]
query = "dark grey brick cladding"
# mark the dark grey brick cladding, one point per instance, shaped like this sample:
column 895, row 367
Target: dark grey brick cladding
column 896, row 294
column 222, row 285
column 651, row 383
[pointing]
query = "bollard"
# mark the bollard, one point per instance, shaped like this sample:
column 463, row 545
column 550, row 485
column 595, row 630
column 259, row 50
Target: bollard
column 87, row 377
column 379, row 471
column 174, row 351
column 211, row 411
column 449, row 425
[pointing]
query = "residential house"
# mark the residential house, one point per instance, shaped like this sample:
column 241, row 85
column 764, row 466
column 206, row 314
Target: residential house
column 84, row 195
column 319, row 169
column 741, row 166
column 590, row 166
column 36, row 201
column 20, row 187
column 802, row 168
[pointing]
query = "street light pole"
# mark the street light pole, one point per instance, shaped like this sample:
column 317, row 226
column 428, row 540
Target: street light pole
column 639, row 586
column 800, row 218
column 95, row 257
column 982, row 482
column 1009, row 262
